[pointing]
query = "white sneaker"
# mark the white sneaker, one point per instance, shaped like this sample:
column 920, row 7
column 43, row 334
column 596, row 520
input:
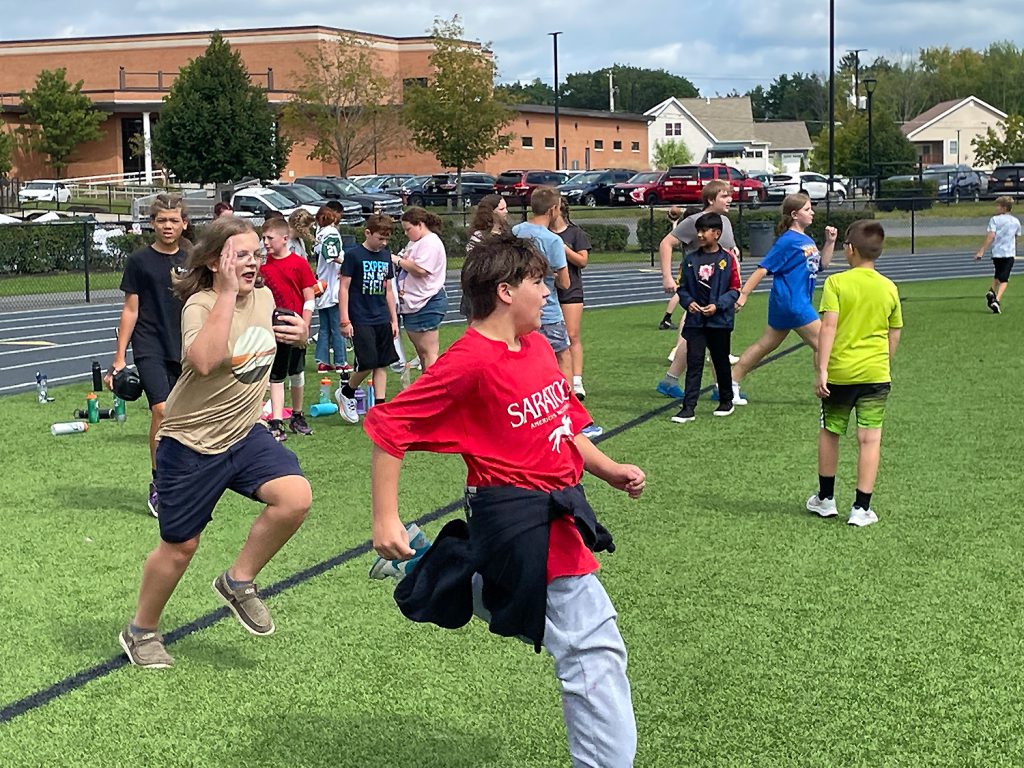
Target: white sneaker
column 733, row 359
column 672, row 355
column 580, row 392
column 822, row 507
column 737, row 397
column 415, row 363
column 861, row 517
column 346, row 407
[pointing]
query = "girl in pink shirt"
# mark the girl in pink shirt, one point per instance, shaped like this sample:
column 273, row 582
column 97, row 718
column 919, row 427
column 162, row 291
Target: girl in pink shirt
column 421, row 268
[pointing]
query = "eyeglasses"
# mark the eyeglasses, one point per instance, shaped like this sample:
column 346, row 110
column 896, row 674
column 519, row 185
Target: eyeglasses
column 259, row 254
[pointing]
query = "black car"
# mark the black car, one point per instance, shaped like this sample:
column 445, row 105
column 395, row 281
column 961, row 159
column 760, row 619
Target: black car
column 595, row 187
column 441, row 188
column 1006, row 180
column 300, row 194
column 340, row 188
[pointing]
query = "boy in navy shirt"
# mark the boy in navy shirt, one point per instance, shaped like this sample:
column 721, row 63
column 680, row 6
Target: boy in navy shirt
column 708, row 291
column 366, row 308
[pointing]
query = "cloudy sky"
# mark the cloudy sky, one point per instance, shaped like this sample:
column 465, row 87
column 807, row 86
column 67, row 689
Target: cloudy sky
column 719, row 45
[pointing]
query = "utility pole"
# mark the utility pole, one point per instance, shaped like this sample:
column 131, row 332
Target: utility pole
column 611, row 91
column 856, row 75
column 554, row 40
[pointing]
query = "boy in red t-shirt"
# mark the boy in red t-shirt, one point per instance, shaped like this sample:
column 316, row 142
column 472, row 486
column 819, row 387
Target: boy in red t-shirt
column 498, row 398
column 290, row 279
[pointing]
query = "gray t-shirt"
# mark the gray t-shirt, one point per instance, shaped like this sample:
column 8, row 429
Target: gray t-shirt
column 1007, row 229
column 686, row 233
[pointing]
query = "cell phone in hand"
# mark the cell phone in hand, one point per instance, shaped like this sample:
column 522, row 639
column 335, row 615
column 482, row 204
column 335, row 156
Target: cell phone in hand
column 280, row 312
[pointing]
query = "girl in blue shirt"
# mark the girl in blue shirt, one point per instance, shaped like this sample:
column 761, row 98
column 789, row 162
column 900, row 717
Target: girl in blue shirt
column 793, row 262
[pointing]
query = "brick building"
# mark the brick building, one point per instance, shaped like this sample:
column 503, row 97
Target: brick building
column 127, row 76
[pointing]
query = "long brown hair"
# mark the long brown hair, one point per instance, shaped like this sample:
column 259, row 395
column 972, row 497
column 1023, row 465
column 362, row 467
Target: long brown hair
column 791, row 205
column 484, row 218
column 416, row 215
column 198, row 275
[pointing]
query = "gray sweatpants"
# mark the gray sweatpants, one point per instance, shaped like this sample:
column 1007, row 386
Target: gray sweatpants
column 582, row 637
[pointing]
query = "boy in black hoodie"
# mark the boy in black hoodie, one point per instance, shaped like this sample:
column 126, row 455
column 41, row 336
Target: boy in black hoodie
column 708, row 291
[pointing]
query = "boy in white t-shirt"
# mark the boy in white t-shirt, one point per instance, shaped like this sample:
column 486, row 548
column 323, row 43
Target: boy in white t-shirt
column 1003, row 231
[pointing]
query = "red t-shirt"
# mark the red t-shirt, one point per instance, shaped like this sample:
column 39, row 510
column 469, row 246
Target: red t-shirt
column 286, row 278
column 512, row 417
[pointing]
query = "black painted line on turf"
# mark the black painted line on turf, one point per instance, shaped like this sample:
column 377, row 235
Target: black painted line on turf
column 81, row 678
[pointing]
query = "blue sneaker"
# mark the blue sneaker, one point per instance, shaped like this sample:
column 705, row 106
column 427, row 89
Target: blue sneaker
column 399, row 569
column 592, row 431
column 673, row 391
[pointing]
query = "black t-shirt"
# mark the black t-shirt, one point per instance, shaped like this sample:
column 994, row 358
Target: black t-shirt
column 157, row 333
column 578, row 240
column 370, row 272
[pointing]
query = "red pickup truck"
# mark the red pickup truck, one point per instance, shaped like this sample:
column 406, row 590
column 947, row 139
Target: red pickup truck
column 684, row 184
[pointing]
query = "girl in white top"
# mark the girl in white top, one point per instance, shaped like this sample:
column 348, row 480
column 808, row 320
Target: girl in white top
column 328, row 251
column 421, row 268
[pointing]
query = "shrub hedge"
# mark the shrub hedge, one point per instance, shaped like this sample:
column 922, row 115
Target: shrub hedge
column 906, row 194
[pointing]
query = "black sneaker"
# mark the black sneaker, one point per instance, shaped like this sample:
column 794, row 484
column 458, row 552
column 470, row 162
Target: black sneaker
column 685, row 415
column 297, row 423
column 277, row 430
column 724, row 409
column 996, row 309
column 990, row 296
column 665, row 325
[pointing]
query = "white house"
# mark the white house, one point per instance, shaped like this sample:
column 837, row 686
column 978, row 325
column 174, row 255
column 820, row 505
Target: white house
column 943, row 134
column 723, row 130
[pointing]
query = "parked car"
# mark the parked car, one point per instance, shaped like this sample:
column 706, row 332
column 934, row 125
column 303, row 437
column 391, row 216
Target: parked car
column 248, row 201
column 953, row 181
column 1006, row 180
column 635, row 190
column 685, row 184
column 814, row 185
column 44, row 191
column 517, row 186
column 594, row 187
column 340, row 188
column 765, row 177
column 261, row 201
column 439, row 188
column 411, row 185
column 300, row 194
column 388, row 183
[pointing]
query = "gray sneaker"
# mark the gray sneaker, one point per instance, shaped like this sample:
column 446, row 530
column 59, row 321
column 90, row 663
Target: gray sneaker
column 145, row 650
column 245, row 603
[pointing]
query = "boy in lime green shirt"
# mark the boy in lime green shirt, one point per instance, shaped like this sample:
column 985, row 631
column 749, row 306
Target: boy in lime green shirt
column 861, row 320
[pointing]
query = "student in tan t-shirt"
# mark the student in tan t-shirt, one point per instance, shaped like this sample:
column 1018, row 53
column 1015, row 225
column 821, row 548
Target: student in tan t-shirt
column 212, row 439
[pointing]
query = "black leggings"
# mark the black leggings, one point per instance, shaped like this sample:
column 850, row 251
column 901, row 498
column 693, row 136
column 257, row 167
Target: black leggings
column 716, row 341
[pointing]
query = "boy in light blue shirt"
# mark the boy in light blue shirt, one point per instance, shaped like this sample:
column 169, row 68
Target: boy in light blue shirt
column 545, row 203
column 1003, row 231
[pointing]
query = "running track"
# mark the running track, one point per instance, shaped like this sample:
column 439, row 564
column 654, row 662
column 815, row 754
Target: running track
column 62, row 342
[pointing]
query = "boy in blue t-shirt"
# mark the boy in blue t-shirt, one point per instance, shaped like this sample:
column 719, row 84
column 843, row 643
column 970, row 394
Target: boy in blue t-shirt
column 545, row 203
column 366, row 309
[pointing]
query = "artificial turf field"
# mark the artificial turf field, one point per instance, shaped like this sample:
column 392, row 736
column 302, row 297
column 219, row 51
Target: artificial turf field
column 758, row 634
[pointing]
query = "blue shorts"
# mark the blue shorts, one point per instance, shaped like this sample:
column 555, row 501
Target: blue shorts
column 191, row 483
column 429, row 316
column 788, row 318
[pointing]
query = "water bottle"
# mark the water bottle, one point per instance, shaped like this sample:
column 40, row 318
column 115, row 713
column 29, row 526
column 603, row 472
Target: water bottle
column 41, row 390
column 371, row 396
column 120, row 411
column 360, row 399
column 68, row 428
column 97, row 377
column 325, row 391
column 92, row 407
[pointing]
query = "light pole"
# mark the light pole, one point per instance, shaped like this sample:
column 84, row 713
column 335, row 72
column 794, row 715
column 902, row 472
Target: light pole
column 869, row 88
column 554, row 42
column 856, row 75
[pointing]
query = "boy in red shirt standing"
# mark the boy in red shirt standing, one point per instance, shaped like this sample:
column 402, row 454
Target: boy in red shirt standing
column 522, row 560
column 291, row 280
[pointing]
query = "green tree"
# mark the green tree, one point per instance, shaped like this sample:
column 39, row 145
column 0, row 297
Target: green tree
column 534, row 92
column 668, row 152
column 455, row 116
column 216, row 126
column 892, row 152
column 636, row 89
column 60, row 118
column 347, row 103
column 6, row 153
column 793, row 97
column 1003, row 146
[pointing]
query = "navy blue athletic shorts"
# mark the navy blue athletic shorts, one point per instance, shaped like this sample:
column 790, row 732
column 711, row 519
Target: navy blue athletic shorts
column 191, row 483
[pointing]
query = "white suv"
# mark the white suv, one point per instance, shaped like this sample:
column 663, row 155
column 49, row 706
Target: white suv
column 814, row 185
column 45, row 191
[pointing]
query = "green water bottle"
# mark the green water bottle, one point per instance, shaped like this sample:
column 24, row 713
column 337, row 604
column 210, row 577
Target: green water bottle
column 120, row 412
column 92, row 408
